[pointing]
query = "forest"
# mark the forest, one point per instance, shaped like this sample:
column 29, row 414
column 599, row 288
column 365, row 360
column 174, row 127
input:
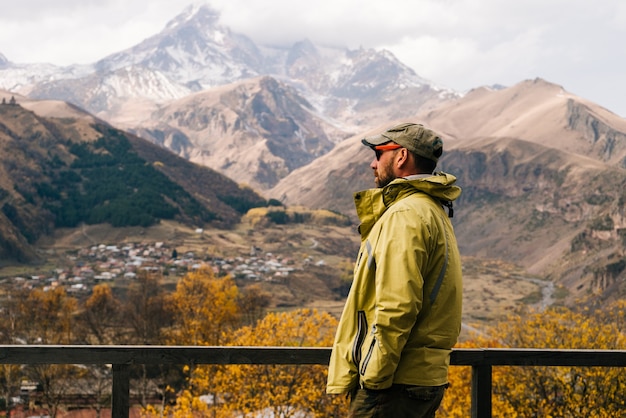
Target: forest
column 109, row 183
column 208, row 310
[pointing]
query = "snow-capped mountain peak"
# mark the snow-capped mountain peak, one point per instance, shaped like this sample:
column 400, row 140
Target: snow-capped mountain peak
column 195, row 52
column 197, row 13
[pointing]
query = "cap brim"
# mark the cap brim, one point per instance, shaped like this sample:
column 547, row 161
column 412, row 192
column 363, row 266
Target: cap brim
column 372, row 141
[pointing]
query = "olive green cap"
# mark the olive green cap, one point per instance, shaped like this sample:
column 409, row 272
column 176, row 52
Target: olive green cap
column 414, row 137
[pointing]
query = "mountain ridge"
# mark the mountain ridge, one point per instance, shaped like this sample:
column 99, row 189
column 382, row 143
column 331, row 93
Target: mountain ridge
column 539, row 111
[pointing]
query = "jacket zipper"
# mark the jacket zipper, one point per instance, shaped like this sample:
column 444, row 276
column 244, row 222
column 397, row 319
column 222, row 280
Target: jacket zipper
column 368, row 356
column 360, row 338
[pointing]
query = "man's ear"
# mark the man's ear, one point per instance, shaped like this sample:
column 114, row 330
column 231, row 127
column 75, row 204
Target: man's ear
column 403, row 160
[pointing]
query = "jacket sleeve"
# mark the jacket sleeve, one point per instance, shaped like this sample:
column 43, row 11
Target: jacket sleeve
column 401, row 256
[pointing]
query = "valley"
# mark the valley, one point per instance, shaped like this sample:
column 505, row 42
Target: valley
column 297, row 265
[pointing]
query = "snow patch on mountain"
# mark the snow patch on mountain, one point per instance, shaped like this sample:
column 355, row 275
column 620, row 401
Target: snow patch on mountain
column 21, row 78
column 133, row 81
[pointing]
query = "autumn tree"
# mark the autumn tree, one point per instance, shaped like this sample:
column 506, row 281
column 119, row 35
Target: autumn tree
column 100, row 322
column 10, row 373
column 101, row 317
column 457, row 400
column 534, row 391
column 145, row 310
column 205, row 309
column 47, row 317
column 562, row 391
column 278, row 390
column 9, row 383
column 252, row 303
column 41, row 316
column 146, row 318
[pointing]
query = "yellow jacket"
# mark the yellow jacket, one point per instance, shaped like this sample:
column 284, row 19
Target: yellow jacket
column 403, row 313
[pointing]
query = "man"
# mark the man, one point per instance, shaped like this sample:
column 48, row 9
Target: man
column 403, row 313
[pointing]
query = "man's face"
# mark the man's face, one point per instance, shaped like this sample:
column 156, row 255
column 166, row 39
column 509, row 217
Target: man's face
column 383, row 167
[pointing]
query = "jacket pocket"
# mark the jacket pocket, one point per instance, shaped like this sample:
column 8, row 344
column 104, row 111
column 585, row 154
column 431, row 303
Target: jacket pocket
column 368, row 356
column 360, row 338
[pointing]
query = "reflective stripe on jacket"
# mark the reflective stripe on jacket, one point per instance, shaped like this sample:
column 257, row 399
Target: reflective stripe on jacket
column 403, row 313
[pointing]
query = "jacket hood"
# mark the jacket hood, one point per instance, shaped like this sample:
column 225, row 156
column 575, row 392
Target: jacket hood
column 372, row 203
column 440, row 186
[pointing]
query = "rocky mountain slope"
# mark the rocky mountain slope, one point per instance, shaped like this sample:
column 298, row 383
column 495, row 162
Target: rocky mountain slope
column 543, row 174
column 540, row 112
column 341, row 91
column 255, row 131
column 61, row 167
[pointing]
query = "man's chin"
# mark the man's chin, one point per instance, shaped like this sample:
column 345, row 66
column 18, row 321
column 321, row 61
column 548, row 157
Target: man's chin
column 380, row 183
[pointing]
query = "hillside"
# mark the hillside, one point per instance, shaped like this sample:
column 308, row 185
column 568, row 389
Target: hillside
column 543, row 181
column 67, row 168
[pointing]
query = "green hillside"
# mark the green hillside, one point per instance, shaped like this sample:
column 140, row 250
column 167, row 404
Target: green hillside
column 63, row 172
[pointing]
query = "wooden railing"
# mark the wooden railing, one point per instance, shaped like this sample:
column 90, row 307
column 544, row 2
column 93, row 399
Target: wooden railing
column 122, row 357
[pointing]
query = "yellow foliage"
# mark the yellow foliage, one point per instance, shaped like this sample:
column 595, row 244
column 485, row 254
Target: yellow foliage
column 286, row 391
column 205, row 307
column 326, row 217
column 254, row 215
column 101, row 298
column 549, row 391
column 50, row 315
column 206, row 311
column 297, row 214
column 456, row 403
column 102, row 309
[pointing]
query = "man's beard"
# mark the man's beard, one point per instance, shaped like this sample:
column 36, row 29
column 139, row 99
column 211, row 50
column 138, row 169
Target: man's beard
column 384, row 175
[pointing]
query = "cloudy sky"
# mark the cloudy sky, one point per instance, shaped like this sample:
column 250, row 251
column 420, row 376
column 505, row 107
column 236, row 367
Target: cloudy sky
column 459, row 44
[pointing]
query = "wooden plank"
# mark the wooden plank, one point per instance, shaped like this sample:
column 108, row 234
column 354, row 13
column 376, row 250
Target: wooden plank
column 541, row 357
column 56, row 354
column 590, row 358
column 124, row 354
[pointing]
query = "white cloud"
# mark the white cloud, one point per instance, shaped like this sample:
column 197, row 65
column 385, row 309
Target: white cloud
column 456, row 43
column 65, row 32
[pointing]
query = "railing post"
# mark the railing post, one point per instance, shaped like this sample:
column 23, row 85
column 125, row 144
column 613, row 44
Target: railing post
column 481, row 391
column 120, row 400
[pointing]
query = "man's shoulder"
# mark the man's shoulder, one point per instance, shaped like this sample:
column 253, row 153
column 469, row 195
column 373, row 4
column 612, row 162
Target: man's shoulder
column 417, row 200
column 413, row 204
column 418, row 206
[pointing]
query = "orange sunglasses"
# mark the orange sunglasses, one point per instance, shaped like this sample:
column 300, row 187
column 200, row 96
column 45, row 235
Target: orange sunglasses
column 379, row 149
